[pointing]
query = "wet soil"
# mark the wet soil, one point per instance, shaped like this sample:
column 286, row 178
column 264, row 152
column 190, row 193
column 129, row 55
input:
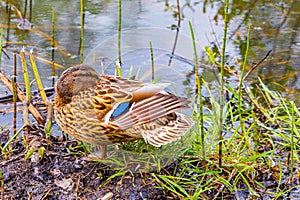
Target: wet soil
column 36, row 166
column 45, row 168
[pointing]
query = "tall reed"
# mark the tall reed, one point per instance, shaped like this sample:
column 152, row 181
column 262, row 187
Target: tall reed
column 53, row 47
column 1, row 37
column 119, row 29
column 152, row 61
column 37, row 78
column 14, row 92
column 26, row 75
column 82, row 16
column 177, row 31
column 222, row 89
column 198, row 89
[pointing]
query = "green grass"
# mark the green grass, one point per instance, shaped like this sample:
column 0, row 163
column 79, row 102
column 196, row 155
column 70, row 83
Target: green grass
column 242, row 162
column 260, row 131
column 253, row 129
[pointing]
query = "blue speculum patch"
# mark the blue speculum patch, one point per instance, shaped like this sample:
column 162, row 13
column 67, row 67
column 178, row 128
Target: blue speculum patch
column 122, row 108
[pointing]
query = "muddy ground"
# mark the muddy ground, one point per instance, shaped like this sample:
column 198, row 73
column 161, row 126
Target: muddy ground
column 57, row 173
column 34, row 166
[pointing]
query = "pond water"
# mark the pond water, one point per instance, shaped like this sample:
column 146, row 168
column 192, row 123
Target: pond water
column 274, row 26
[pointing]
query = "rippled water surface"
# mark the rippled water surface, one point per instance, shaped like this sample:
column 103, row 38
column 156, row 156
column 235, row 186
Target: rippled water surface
column 274, row 26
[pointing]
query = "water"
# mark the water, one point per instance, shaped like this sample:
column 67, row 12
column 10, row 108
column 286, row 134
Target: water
column 274, row 26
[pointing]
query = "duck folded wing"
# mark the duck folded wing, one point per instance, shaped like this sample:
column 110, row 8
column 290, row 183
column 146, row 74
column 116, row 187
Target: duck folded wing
column 111, row 91
column 149, row 109
column 174, row 126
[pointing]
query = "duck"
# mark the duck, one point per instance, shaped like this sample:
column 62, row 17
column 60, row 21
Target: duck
column 104, row 109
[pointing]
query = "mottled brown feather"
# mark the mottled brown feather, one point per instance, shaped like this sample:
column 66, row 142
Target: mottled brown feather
column 84, row 102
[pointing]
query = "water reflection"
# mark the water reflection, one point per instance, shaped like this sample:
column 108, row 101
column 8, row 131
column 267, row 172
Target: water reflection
column 274, row 26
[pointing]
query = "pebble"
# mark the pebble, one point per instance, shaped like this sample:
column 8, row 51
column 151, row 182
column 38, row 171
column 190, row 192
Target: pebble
column 77, row 165
column 108, row 196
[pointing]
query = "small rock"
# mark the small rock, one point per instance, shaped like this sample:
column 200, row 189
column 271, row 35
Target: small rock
column 55, row 172
column 34, row 157
column 77, row 165
column 65, row 183
column 131, row 195
column 108, row 196
column 144, row 195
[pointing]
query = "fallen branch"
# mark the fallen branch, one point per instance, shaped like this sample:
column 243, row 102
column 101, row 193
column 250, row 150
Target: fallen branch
column 36, row 114
column 9, row 98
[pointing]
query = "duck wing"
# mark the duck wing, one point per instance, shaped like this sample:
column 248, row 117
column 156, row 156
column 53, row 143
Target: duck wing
column 150, row 109
column 111, row 91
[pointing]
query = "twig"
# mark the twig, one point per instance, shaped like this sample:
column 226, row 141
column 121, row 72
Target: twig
column 36, row 114
column 11, row 159
column 256, row 65
column 5, row 54
column 233, row 173
column 177, row 33
column 9, row 98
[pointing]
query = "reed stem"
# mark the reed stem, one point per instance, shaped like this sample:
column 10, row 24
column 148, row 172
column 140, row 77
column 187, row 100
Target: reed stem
column 177, row 31
column 222, row 82
column 152, row 60
column 241, row 83
column 1, row 37
column 119, row 29
column 198, row 91
column 48, row 124
column 26, row 75
column 14, row 92
column 38, row 78
column 82, row 16
column 292, row 145
column 53, row 47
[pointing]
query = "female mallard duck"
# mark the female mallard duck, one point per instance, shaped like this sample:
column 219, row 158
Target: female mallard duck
column 110, row 109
